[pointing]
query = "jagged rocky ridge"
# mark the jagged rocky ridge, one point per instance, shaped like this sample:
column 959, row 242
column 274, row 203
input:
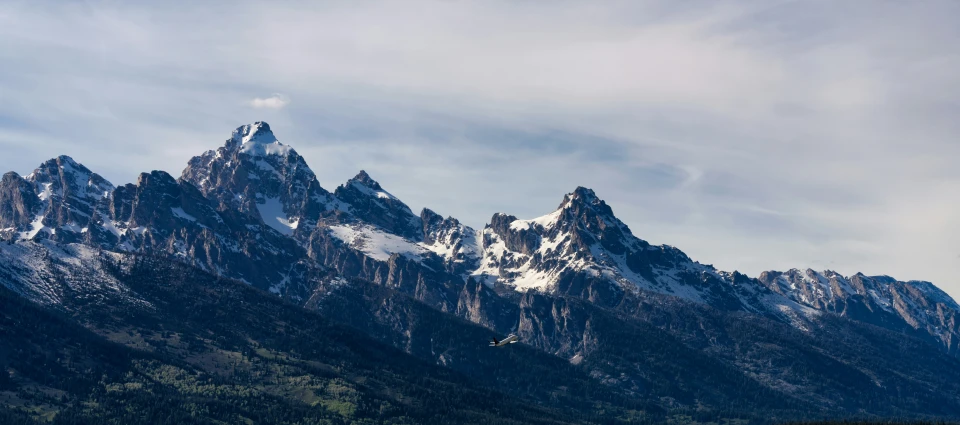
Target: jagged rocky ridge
column 256, row 199
column 252, row 210
column 56, row 201
column 879, row 300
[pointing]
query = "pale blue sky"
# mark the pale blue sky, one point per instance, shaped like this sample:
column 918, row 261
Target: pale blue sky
column 752, row 135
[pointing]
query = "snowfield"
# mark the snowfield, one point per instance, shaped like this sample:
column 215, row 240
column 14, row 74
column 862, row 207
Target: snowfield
column 376, row 243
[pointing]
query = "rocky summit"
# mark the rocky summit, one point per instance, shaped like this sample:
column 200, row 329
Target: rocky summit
column 612, row 328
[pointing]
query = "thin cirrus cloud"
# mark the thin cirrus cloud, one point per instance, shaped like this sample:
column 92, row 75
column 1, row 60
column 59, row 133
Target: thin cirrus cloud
column 276, row 101
column 752, row 135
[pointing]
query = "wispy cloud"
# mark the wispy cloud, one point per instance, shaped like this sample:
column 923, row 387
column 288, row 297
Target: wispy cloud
column 276, row 101
column 752, row 135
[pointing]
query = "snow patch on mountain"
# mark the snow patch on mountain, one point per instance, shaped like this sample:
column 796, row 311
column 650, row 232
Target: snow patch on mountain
column 527, row 277
column 376, row 193
column 457, row 247
column 544, row 221
column 375, row 243
column 271, row 211
column 258, row 148
column 36, row 226
column 180, row 213
column 111, row 226
column 521, row 271
column 45, row 194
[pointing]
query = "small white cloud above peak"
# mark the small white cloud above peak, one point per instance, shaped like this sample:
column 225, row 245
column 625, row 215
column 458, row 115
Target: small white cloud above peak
column 276, row 101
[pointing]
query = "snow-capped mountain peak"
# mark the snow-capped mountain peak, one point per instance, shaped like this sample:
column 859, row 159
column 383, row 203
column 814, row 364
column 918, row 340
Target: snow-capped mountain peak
column 256, row 174
column 256, row 133
column 366, row 184
column 257, row 140
column 60, row 202
column 67, row 176
column 451, row 240
column 371, row 203
column 582, row 248
column 364, row 179
column 583, row 198
column 582, row 194
column 535, row 253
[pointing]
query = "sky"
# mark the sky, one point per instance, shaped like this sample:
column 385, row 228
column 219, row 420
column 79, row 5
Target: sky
column 753, row 135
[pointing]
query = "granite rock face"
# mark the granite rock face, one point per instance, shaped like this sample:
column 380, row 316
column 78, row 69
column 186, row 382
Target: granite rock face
column 19, row 204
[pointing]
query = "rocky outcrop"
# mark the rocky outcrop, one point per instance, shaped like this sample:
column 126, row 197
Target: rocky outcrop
column 481, row 305
column 555, row 325
column 455, row 243
column 60, row 196
column 19, row 205
column 73, row 190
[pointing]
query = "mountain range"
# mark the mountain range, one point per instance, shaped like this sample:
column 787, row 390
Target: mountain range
column 246, row 261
